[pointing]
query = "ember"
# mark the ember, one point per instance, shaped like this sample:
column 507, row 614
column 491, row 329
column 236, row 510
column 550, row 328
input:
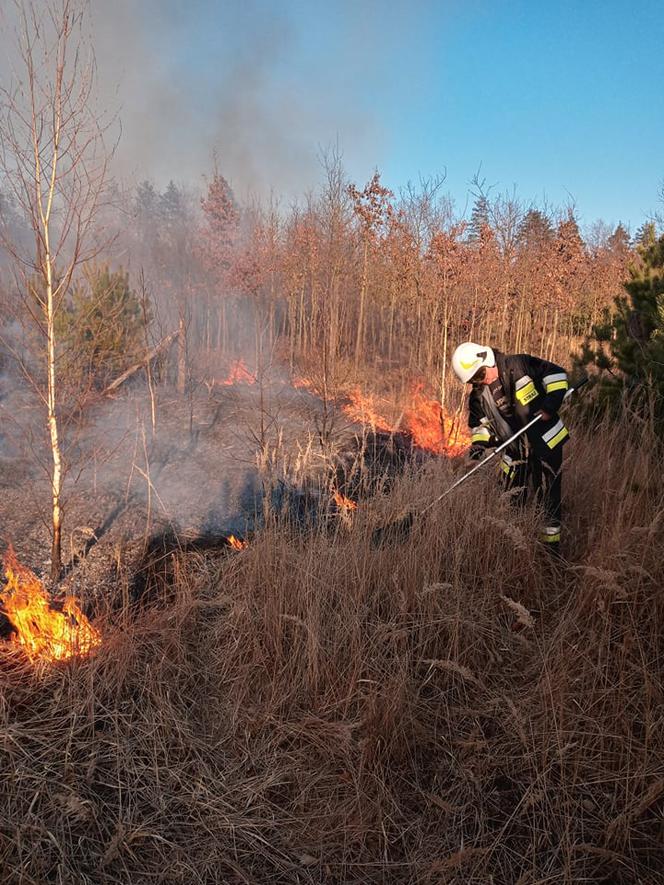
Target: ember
column 239, row 374
column 45, row 633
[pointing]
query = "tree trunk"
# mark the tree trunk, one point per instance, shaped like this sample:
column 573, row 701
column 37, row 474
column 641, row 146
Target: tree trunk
column 150, row 355
column 56, row 454
column 363, row 294
column 51, row 388
column 182, row 354
column 301, row 326
column 390, row 338
column 443, row 374
column 554, row 335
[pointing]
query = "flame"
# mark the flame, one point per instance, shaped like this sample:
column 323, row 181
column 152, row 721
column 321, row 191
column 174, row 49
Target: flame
column 344, row 502
column 45, row 633
column 430, row 427
column 239, row 374
column 236, row 543
column 363, row 408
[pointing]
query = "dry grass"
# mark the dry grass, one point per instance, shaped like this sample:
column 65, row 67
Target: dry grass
column 316, row 710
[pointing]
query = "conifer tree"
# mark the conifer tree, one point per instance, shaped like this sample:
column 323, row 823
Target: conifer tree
column 221, row 218
column 628, row 347
column 535, row 230
column 102, row 328
column 479, row 219
column 619, row 241
column 646, row 234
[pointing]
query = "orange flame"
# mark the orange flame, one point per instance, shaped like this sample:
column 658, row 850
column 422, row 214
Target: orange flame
column 236, row 543
column 45, row 633
column 363, row 408
column 344, row 502
column 428, row 424
column 239, row 374
column 430, row 427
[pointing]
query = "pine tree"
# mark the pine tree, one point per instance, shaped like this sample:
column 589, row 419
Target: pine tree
column 145, row 202
column 171, row 206
column 102, row 329
column 479, row 219
column 619, row 241
column 628, row 347
column 646, row 235
column 569, row 244
column 534, row 231
column 146, row 216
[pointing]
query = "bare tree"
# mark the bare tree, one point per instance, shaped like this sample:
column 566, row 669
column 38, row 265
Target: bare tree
column 370, row 207
column 335, row 214
column 54, row 162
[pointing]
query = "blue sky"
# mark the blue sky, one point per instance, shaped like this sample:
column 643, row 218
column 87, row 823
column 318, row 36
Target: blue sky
column 562, row 100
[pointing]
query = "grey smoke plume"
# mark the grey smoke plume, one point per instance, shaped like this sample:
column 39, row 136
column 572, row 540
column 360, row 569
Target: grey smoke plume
column 194, row 78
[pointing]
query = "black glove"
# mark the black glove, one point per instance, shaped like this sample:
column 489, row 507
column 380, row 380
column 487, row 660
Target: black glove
column 476, row 453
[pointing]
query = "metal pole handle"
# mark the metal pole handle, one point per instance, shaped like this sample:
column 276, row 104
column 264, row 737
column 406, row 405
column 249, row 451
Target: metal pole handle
column 497, row 451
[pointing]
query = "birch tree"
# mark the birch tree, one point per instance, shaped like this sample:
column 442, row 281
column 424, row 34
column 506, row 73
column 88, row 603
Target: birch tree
column 54, row 162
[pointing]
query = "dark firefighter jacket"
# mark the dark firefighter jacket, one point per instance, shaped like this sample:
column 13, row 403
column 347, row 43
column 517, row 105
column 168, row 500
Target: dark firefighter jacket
column 529, row 385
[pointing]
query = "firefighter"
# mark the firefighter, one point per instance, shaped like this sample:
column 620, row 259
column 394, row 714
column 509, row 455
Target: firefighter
column 507, row 392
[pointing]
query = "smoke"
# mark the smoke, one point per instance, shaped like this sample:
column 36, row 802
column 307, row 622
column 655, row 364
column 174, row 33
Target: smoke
column 243, row 80
column 262, row 87
column 236, row 80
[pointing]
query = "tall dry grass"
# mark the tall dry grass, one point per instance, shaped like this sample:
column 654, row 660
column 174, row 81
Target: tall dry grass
column 314, row 709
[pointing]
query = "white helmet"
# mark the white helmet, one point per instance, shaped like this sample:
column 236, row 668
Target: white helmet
column 468, row 358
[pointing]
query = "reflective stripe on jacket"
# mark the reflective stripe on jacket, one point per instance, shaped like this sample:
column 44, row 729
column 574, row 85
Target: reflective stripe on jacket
column 531, row 385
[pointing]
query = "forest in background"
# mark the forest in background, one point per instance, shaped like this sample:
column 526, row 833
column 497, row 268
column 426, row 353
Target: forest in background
column 357, row 276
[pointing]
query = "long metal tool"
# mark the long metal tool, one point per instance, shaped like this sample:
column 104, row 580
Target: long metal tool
column 403, row 525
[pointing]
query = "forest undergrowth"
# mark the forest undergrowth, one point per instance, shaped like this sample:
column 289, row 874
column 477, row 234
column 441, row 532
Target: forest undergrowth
column 453, row 707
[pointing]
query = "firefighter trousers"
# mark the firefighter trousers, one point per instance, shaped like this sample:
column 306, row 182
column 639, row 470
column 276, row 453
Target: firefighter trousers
column 542, row 476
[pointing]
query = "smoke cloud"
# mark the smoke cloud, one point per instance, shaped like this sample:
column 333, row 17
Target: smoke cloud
column 235, row 80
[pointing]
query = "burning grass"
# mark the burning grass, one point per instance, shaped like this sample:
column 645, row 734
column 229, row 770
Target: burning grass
column 45, row 633
column 238, row 374
column 422, row 418
column 344, row 502
column 317, row 710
